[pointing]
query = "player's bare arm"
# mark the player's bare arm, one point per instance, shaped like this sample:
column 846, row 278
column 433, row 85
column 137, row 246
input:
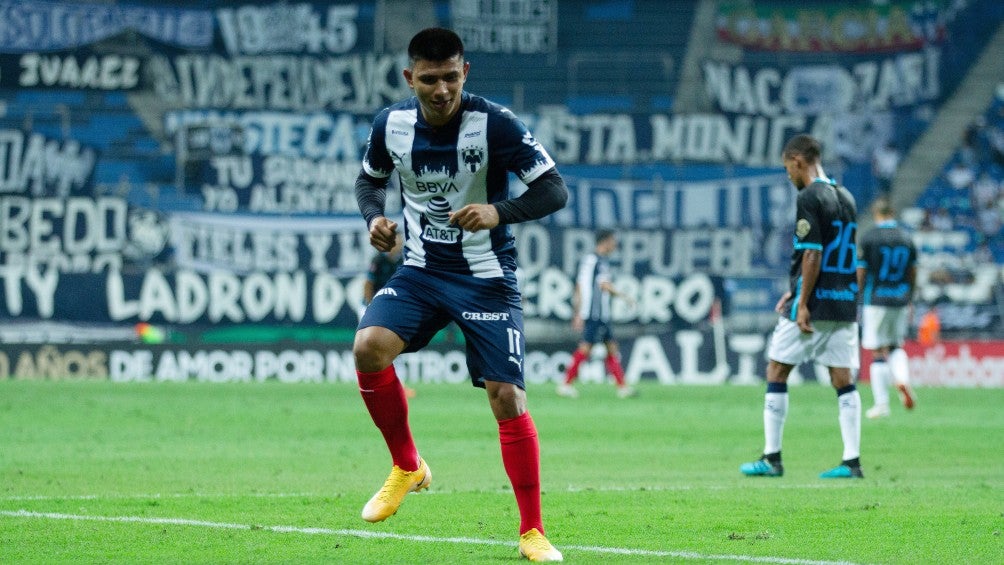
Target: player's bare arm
column 779, row 307
column 609, row 287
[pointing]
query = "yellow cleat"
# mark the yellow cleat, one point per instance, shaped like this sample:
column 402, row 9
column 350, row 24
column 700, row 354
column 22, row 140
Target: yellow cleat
column 400, row 482
column 535, row 547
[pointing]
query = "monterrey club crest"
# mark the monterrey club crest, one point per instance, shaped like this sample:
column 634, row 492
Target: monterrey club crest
column 473, row 158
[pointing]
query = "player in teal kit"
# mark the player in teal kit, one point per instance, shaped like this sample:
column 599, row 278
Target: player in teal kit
column 887, row 271
column 819, row 312
column 453, row 152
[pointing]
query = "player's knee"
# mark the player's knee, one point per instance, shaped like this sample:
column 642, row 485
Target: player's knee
column 373, row 350
column 507, row 400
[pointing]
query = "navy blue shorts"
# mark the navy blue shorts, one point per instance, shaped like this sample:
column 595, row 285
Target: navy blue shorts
column 595, row 331
column 416, row 303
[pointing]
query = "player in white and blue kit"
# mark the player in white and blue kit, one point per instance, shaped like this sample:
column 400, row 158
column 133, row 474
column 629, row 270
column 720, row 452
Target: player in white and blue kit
column 592, row 316
column 453, row 152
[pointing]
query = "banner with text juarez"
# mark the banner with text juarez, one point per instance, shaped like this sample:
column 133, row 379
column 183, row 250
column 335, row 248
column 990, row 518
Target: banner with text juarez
column 193, row 165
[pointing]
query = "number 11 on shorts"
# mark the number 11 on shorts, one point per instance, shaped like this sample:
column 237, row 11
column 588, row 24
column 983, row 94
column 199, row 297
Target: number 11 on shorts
column 515, row 342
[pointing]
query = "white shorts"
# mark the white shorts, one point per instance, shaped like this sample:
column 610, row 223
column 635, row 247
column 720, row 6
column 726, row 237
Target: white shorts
column 884, row 326
column 833, row 344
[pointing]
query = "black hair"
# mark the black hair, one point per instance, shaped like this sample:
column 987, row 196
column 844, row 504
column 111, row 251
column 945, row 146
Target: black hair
column 435, row 44
column 883, row 207
column 805, row 145
column 603, row 235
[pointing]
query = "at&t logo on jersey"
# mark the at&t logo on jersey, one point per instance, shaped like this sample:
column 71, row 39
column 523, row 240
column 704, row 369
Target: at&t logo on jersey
column 436, row 222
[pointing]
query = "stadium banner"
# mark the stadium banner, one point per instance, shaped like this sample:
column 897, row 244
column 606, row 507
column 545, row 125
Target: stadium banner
column 705, row 356
column 265, row 107
column 957, row 363
column 693, row 356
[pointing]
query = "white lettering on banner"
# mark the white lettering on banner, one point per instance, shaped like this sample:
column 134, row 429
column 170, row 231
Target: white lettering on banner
column 664, row 253
column 750, row 203
column 327, row 174
column 205, row 242
column 433, row 367
column 107, row 72
column 655, row 298
column 505, row 38
column 904, row 79
column 46, row 227
column 281, row 27
column 40, row 281
column 717, row 138
column 130, row 366
column 315, row 136
column 219, row 296
column 341, row 366
column 749, row 347
column 360, row 83
column 938, row 367
column 506, row 26
column 232, row 248
column 30, row 162
column 289, row 366
column 50, row 26
column 216, row 366
column 648, row 358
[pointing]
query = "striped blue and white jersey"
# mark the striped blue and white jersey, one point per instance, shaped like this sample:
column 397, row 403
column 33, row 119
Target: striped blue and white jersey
column 594, row 302
column 442, row 169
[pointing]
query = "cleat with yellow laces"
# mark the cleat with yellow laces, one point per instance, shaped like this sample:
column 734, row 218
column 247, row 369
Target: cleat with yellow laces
column 535, row 547
column 400, row 482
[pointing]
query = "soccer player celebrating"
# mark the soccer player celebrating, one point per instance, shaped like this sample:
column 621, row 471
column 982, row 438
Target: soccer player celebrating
column 591, row 302
column 452, row 151
column 887, row 272
column 819, row 312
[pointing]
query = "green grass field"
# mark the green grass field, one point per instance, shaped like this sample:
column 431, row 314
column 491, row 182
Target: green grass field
column 93, row 472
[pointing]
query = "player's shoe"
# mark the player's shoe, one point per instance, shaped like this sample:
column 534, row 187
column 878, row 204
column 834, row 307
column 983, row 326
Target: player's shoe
column 843, row 471
column 535, row 547
column 906, row 395
column 626, row 392
column 400, row 482
column 878, row 411
column 568, row 391
column 762, row 468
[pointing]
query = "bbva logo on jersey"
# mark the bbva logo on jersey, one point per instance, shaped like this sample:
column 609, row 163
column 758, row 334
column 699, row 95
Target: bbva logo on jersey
column 473, row 158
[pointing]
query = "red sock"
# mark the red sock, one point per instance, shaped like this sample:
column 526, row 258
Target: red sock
column 614, row 368
column 573, row 366
column 384, row 397
column 521, row 458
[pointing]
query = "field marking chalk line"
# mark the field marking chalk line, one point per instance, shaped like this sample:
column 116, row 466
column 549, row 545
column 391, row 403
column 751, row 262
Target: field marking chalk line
column 386, row 535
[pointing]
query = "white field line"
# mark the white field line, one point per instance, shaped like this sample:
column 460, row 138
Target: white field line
column 569, row 489
column 413, row 538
